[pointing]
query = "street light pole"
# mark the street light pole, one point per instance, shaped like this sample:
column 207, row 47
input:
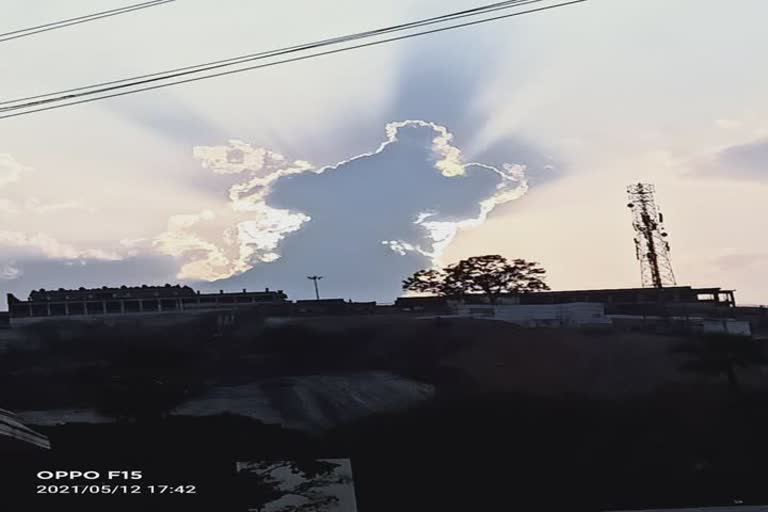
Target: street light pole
column 317, row 290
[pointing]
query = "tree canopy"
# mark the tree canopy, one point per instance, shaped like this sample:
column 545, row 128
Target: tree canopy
column 491, row 275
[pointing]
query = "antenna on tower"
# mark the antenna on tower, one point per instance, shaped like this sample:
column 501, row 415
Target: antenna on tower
column 651, row 246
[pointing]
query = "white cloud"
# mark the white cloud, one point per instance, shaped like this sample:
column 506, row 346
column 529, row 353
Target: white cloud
column 205, row 259
column 236, row 158
column 213, row 246
column 51, row 248
column 8, row 271
column 35, row 205
column 400, row 247
column 217, row 244
column 38, row 244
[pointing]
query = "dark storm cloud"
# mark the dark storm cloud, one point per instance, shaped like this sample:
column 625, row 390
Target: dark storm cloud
column 367, row 201
column 357, row 206
column 364, row 202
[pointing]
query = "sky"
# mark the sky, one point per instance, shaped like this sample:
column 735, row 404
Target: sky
column 517, row 138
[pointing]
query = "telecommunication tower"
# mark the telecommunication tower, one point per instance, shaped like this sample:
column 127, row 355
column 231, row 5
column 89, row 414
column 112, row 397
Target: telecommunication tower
column 651, row 246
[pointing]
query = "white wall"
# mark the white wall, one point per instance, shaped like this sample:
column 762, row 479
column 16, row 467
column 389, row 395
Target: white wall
column 554, row 315
column 727, row 326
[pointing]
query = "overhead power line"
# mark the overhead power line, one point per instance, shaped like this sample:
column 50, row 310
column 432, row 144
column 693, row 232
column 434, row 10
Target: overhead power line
column 62, row 101
column 106, row 87
column 198, row 68
column 26, row 32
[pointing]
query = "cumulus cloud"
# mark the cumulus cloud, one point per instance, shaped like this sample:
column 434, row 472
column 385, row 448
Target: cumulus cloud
column 35, row 205
column 31, row 261
column 238, row 157
column 244, row 230
column 11, row 171
column 37, row 245
column 384, row 213
column 201, row 258
column 741, row 161
column 50, row 247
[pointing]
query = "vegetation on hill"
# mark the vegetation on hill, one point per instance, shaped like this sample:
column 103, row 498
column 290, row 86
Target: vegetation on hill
column 491, row 275
column 614, row 421
column 718, row 355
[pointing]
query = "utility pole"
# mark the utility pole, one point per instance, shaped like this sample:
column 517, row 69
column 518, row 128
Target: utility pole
column 317, row 290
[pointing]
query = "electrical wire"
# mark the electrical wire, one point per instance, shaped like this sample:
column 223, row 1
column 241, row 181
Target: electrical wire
column 17, row 34
column 285, row 61
column 173, row 73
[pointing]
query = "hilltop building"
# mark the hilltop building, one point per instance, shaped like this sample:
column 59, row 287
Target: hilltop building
column 669, row 310
column 172, row 305
column 333, row 307
column 137, row 299
column 617, row 301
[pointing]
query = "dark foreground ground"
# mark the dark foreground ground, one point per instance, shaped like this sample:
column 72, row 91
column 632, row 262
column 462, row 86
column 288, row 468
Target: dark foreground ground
column 498, row 452
column 522, row 419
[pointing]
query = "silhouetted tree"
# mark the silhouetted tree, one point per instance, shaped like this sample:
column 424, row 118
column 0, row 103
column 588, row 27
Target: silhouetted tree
column 718, row 355
column 427, row 281
column 491, row 275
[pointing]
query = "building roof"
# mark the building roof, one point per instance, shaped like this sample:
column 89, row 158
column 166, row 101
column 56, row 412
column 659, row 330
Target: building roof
column 684, row 292
column 106, row 292
column 242, row 293
column 128, row 292
column 635, row 290
column 321, row 301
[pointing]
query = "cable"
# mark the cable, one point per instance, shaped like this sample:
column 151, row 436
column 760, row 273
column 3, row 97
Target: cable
column 16, row 107
column 295, row 59
column 17, row 34
column 174, row 73
column 8, row 36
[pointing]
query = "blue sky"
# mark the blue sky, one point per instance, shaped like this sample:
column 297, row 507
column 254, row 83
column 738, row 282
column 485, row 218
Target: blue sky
column 369, row 165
